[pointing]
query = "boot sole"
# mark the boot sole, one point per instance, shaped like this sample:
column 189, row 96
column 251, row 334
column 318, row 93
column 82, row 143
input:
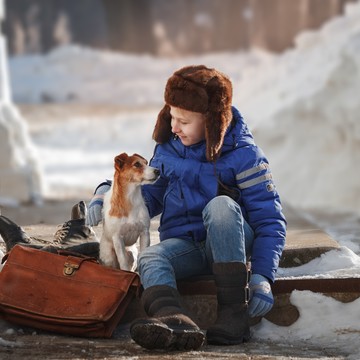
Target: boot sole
column 160, row 336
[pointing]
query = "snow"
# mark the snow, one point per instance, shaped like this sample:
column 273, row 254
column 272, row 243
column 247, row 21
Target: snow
column 78, row 154
column 341, row 262
column 302, row 106
column 323, row 321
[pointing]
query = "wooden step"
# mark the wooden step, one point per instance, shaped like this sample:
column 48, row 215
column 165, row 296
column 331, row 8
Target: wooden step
column 199, row 297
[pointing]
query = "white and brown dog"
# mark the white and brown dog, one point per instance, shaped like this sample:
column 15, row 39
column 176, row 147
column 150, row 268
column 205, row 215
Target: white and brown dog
column 125, row 216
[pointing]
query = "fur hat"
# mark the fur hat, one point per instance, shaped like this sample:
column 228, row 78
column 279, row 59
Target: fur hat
column 203, row 90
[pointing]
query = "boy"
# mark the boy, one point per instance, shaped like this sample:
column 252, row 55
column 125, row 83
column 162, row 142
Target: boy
column 219, row 207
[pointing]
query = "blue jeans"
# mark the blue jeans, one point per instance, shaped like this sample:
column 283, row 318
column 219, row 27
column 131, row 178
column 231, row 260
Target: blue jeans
column 229, row 238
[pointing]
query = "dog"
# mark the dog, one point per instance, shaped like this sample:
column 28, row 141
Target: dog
column 125, row 216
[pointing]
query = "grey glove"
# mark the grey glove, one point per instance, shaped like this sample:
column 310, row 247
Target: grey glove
column 94, row 215
column 262, row 299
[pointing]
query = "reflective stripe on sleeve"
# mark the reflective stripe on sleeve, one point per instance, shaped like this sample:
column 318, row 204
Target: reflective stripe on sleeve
column 252, row 171
column 255, row 181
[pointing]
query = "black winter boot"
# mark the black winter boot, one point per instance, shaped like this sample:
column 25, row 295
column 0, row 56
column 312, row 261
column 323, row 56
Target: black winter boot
column 12, row 233
column 74, row 231
column 168, row 328
column 232, row 324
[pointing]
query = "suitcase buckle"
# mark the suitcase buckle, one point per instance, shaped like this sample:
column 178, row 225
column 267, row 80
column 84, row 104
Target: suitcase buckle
column 70, row 269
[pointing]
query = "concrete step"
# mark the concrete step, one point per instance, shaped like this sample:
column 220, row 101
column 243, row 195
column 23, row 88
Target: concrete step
column 304, row 241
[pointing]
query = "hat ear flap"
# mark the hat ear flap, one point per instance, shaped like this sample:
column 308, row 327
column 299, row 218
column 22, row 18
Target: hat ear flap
column 162, row 131
column 214, row 134
column 218, row 116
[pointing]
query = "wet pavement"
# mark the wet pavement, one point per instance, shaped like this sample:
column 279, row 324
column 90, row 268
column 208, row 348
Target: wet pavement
column 34, row 345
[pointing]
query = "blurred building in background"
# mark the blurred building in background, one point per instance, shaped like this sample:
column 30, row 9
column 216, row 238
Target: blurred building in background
column 163, row 27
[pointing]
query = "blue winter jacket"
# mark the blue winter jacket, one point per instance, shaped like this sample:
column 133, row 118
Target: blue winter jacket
column 188, row 182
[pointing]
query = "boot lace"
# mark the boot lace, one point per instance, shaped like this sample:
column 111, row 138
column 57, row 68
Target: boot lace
column 61, row 233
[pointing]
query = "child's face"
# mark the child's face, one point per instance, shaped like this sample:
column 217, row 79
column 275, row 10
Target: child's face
column 187, row 125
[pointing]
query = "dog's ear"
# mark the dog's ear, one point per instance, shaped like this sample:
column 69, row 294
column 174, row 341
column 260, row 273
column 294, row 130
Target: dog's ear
column 120, row 159
column 141, row 157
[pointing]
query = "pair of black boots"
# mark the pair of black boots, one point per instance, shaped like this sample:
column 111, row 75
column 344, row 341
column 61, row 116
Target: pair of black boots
column 169, row 326
column 73, row 235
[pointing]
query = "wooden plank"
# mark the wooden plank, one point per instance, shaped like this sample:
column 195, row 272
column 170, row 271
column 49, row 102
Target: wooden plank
column 206, row 285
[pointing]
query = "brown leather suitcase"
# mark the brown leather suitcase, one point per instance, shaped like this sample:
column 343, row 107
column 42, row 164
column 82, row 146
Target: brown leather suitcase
column 68, row 294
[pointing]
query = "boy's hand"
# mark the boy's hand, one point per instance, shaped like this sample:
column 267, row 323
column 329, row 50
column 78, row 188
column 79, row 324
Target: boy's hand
column 94, row 215
column 261, row 297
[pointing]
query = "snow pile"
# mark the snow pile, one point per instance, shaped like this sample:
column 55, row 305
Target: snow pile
column 341, row 262
column 323, row 321
column 76, row 74
column 305, row 107
column 21, row 175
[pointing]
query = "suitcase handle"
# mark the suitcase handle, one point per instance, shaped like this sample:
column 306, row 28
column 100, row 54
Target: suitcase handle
column 65, row 252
